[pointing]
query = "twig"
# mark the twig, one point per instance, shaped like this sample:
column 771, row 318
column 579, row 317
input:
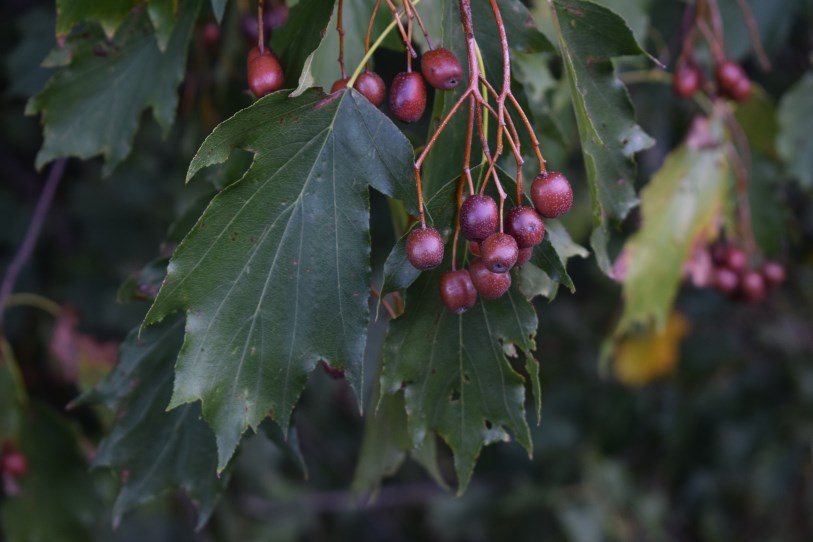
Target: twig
column 32, row 234
column 753, row 33
column 340, row 30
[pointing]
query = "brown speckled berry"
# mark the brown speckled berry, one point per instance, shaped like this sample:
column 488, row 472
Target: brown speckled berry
column 441, row 68
column 457, row 291
column 339, row 85
column 479, row 216
column 372, row 87
column 424, row 248
column 523, row 256
column 489, row 285
column 499, row 252
column 264, row 72
column 408, row 96
column 551, row 194
column 525, row 225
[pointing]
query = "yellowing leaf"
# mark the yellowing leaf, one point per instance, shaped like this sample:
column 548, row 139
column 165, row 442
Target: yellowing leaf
column 639, row 359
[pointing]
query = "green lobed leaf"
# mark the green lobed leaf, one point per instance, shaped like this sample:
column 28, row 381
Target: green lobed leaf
column 300, row 36
column 681, row 208
column 275, row 276
column 94, row 105
column 590, row 36
column 160, row 450
column 795, row 125
column 547, row 267
column 454, row 374
column 163, row 15
column 110, row 14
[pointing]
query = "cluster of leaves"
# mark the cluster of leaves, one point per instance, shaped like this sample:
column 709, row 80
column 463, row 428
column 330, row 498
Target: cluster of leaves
column 271, row 271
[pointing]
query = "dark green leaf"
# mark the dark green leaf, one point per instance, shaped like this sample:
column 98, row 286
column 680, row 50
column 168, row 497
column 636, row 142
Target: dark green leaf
column 159, row 450
column 275, row 275
column 795, row 126
column 548, row 265
column 454, row 374
column 301, row 35
column 108, row 13
column 589, row 37
column 163, row 15
column 94, row 105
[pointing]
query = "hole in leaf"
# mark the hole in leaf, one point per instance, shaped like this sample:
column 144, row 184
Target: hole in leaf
column 488, row 424
column 454, row 396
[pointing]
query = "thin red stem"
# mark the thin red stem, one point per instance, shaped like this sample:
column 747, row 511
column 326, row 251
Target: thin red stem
column 261, row 26
column 340, row 30
column 31, row 235
column 370, row 29
column 753, row 33
column 401, row 30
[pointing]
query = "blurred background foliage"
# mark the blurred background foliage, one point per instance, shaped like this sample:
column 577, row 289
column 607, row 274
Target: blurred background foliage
column 702, row 431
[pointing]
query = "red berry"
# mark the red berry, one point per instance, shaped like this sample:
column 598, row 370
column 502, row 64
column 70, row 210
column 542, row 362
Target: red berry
column 478, row 217
column 441, row 68
column 736, row 260
column 732, row 81
column 264, row 72
column 687, row 80
column 551, row 194
column 424, row 248
column 474, row 248
column 499, row 252
column 774, row 273
column 525, row 225
column 523, row 256
column 210, row 33
column 408, row 96
column 457, row 291
column 726, row 280
column 489, row 285
column 276, row 15
column 753, row 287
column 339, row 85
column 14, row 463
column 372, row 87
column 719, row 253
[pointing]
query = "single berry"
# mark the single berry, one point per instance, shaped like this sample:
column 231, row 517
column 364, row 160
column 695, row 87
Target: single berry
column 525, row 225
column 14, row 463
column 339, row 85
column 408, row 96
column 752, row 287
column 250, row 29
column 474, row 248
column 489, row 285
column 741, row 91
column 551, row 194
column 478, row 217
column 276, row 15
column 441, row 68
column 372, row 87
column 457, row 291
column 726, row 280
column 687, row 80
column 774, row 273
column 264, row 72
column 736, row 260
column 499, row 252
column 719, row 253
column 732, row 80
column 424, row 248
column 210, row 33
column 523, row 256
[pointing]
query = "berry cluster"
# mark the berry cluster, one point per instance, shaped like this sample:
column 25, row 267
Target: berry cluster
column 733, row 276
column 497, row 250
column 439, row 67
column 264, row 70
column 731, row 80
